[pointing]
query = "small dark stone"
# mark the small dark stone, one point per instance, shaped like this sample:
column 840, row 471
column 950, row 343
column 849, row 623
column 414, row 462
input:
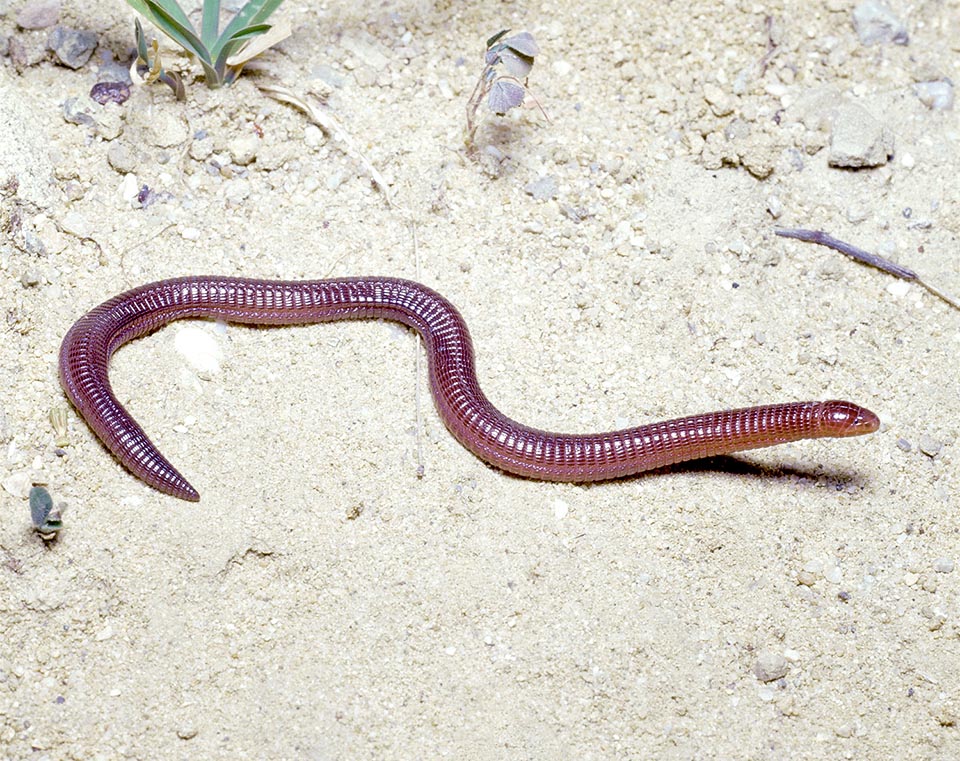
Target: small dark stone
column 73, row 47
column 110, row 92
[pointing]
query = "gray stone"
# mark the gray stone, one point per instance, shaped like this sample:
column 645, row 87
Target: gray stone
column 935, row 95
column 770, row 666
column 858, row 140
column 39, row 14
column 876, row 23
column 72, row 47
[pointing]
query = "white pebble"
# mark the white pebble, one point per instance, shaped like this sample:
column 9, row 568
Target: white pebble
column 129, row 188
column 19, row 484
column 74, row 223
column 770, row 666
column 200, row 349
column 560, row 509
column 943, row 565
column 898, row 288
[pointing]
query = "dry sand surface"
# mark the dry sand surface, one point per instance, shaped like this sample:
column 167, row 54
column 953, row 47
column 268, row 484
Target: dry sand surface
column 616, row 265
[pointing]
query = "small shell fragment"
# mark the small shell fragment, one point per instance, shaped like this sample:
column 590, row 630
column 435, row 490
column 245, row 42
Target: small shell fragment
column 58, row 419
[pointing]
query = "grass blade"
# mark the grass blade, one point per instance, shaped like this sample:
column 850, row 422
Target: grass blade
column 169, row 6
column 184, row 36
column 253, row 13
column 210, row 25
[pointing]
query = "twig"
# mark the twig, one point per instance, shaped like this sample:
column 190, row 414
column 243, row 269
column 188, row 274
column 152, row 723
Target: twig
column 332, row 127
column 865, row 257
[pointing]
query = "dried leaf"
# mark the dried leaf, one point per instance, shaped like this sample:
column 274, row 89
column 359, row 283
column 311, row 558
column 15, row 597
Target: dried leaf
column 504, row 96
column 522, row 43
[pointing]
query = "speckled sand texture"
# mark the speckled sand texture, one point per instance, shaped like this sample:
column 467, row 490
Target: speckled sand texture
column 615, row 265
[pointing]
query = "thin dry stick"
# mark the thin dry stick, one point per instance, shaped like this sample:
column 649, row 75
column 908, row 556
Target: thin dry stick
column 332, row 127
column 865, row 257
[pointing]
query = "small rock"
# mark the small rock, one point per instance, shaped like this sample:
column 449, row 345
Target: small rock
column 844, row 730
column 79, row 110
column 560, row 509
column 770, row 666
column 104, row 634
column 543, row 188
column 875, row 23
column 26, row 50
column 200, row 349
column 903, row 445
column 129, row 189
column 929, row 445
column 935, row 95
column 39, row 14
column 774, row 206
column 720, row 103
column 19, row 484
column 74, row 223
column 806, row 578
column 30, row 278
column 122, row 157
column 110, row 92
column 943, row 565
column 72, row 47
column 243, row 150
column 187, row 732
column 858, row 140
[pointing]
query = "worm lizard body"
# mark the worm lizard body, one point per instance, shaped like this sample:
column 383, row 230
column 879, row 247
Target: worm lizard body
column 470, row 417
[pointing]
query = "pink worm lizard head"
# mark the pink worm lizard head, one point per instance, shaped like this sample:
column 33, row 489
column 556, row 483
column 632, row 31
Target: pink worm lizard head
column 845, row 419
column 470, row 417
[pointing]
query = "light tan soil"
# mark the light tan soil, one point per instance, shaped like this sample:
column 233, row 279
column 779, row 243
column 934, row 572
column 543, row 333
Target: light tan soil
column 322, row 600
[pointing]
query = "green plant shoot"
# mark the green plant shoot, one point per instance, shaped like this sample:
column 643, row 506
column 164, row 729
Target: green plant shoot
column 219, row 52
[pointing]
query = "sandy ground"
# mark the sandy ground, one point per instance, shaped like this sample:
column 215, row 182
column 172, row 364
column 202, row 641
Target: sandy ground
column 322, row 600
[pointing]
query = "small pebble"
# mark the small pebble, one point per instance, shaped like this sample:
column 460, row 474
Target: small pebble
column 875, row 23
column 806, row 578
column 39, row 14
column 110, row 92
column 774, row 206
column 30, row 278
column 200, row 349
column 243, row 150
column 19, row 484
column 903, row 445
column 72, row 47
column 121, row 157
column 935, row 95
column 129, row 187
column 74, row 223
column 187, row 733
column 560, row 509
column 943, row 565
column 929, row 445
column 543, row 188
column 770, row 666
column 858, row 140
